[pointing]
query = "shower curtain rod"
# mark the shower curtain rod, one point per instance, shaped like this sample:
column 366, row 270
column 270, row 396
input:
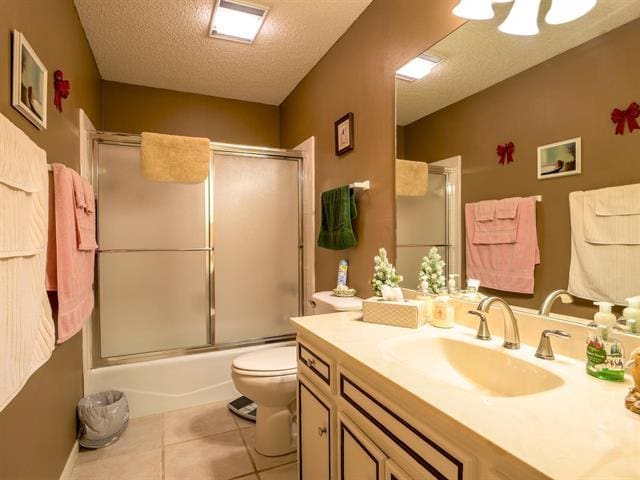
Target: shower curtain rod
column 216, row 147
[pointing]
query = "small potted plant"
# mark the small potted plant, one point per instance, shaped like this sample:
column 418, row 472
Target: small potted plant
column 432, row 279
column 384, row 273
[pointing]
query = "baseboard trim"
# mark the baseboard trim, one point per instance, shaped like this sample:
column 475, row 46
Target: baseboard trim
column 71, row 462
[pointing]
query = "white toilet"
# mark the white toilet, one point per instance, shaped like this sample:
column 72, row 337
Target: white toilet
column 268, row 377
column 327, row 302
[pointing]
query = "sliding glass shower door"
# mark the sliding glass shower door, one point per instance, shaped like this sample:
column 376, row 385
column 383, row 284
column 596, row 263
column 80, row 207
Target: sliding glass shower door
column 257, row 243
column 153, row 261
column 185, row 268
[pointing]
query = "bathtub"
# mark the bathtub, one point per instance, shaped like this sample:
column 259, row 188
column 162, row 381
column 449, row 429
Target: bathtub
column 167, row 384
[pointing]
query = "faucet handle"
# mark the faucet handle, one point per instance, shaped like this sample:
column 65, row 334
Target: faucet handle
column 483, row 328
column 544, row 350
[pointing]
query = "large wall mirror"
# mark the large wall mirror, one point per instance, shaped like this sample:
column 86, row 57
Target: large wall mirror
column 501, row 116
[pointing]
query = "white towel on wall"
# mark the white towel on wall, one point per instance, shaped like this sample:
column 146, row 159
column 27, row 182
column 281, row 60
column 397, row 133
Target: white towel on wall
column 601, row 271
column 27, row 332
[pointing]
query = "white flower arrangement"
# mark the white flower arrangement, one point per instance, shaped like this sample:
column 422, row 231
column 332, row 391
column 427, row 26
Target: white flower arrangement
column 384, row 273
column 432, row 272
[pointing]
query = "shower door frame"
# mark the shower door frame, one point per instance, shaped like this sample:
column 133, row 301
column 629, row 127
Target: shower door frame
column 133, row 140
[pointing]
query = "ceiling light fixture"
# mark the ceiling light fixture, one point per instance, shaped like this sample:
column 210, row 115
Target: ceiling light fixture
column 418, row 68
column 474, row 9
column 237, row 21
column 523, row 16
column 522, row 19
column 563, row 11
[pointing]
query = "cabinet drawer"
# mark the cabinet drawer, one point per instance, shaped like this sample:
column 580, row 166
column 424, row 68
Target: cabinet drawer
column 315, row 365
column 421, row 450
column 394, row 472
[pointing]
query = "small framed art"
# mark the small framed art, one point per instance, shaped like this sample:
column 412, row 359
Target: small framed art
column 560, row 159
column 344, row 134
column 29, row 92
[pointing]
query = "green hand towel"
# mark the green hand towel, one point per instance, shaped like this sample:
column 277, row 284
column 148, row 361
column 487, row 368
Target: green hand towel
column 338, row 211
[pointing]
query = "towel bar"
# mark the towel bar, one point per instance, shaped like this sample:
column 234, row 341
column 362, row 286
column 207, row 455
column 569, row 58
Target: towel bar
column 364, row 186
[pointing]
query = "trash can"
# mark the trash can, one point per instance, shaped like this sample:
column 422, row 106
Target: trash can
column 103, row 418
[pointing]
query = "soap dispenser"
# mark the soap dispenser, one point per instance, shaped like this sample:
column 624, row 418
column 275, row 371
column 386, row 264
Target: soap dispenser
column 632, row 313
column 453, row 286
column 604, row 352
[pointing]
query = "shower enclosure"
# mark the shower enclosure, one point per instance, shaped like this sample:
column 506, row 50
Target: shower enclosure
column 424, row 222
column 194, row 268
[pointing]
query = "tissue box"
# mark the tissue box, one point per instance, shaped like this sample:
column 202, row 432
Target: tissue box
column 409, row 313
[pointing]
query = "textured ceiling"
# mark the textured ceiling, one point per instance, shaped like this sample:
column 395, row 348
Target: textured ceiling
column 165, row 44
column 477, row 55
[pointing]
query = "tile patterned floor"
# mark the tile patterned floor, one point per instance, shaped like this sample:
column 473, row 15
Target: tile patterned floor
column 200, row 443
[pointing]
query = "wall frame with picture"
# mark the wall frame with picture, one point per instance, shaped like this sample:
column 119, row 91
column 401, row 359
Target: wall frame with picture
column 29, row 82
column 343, row 129
column 560, row 159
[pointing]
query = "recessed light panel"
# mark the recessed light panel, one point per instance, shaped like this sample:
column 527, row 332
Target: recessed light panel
column 237, row 21
column 418, row 68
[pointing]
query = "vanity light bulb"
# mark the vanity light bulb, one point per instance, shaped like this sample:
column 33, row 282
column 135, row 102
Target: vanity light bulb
column 474, row 9
column 522, row 19
column 563, row 11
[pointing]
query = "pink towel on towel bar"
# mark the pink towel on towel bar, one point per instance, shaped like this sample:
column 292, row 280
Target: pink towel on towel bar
column 85, row 215
column 485, row 211
column 70, row 270
column 502, row 228
column 506, row 266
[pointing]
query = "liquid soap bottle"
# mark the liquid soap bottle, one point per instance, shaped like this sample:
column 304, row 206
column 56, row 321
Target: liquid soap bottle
column 632, row 314
column 604, row 351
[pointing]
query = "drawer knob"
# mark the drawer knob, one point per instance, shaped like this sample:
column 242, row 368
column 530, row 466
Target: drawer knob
column 322, row 431
column 310, row 362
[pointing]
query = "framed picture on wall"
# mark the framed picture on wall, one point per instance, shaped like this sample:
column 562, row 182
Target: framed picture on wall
column 343, row 130
column 29, row 92
column 560, row 159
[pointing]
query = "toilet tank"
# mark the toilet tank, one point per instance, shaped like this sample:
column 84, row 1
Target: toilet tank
column 327, row 302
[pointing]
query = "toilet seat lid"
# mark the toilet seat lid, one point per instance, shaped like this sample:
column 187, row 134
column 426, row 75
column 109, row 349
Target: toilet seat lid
column 280, row 359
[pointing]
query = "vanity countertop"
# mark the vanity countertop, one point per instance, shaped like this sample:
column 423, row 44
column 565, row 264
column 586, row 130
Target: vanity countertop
column 579, row 430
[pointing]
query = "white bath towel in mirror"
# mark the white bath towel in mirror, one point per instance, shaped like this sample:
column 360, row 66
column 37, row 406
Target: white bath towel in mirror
column 604, row 264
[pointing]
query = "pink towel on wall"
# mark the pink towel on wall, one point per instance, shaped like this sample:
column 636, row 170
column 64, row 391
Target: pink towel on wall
column 70, row 270
column 501, row 228
column 505, row 266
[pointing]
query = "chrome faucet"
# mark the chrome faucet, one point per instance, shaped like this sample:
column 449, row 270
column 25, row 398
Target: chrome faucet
column 544, row 347
column 511, row 333
column 545, row 308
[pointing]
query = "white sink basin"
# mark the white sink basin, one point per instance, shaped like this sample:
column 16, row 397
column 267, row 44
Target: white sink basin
column 472, row 366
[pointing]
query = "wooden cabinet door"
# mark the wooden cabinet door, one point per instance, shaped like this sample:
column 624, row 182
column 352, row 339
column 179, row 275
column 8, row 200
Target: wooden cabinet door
column 359, row 457
column 315, row 413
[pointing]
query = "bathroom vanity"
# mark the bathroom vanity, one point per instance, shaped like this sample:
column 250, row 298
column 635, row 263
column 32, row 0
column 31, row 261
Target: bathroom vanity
column 379, row 402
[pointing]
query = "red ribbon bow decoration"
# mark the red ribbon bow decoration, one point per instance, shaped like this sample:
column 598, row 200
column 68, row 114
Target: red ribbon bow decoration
column 61, row 87
column 505, row 152
column 629, row 116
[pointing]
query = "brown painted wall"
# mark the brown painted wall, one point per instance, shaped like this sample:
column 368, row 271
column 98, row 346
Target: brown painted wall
column 134, row 109
column 571, row 95
column 357, row 75
column 400, row 153
column 38, row 428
